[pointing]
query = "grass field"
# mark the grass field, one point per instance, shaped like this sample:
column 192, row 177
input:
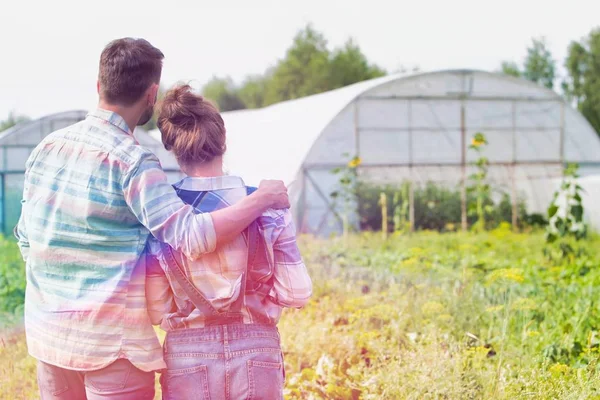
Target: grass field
column 431, row 316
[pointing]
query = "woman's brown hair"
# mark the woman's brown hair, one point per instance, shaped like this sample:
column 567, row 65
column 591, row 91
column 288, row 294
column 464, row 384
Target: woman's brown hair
column 191, row 126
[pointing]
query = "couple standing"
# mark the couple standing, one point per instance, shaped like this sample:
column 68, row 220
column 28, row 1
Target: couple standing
column 111, row 248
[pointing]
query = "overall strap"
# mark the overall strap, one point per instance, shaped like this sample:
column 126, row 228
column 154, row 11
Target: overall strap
column 213, row 316
column 252, row 237
column 196, row 296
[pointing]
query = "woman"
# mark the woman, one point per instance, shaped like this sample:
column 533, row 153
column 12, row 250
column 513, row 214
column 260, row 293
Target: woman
column 220, row 311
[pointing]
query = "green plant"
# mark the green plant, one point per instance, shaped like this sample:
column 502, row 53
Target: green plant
column 426, row 316
column 12, row 279
column 565, row 217
column 401, row 208
column 435, row 207
column 346, row 193
column 479, row 188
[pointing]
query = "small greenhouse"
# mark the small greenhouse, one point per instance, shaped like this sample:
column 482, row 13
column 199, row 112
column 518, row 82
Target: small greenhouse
column 19, row 141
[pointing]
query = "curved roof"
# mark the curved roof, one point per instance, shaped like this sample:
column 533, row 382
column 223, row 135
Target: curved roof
column 287, row 130
column 23, row 137
column 275, row 141
column 32, row 132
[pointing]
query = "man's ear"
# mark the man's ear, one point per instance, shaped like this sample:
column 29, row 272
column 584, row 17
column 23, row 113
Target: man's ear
column 152, row 95
column 98, row 86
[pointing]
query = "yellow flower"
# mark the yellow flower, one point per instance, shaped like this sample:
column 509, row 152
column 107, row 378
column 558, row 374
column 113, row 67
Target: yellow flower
column 533, row 333
column 559, row 369
column 444, row 318
column 355, row 162
column 506, row 275
column 493, row 309
column 477, row 143
column 524, row 304
column 410, row 261
column 432, row 308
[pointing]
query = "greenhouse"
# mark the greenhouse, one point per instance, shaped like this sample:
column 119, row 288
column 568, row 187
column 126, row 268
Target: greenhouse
column 414, row 129
column 18, row 142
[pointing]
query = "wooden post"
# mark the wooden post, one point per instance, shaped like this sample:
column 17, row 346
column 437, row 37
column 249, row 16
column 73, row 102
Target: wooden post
column 384, row 214
column 411, row 206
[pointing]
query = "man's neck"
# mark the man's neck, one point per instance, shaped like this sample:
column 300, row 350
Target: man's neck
column 130, row 115
column 205, row 170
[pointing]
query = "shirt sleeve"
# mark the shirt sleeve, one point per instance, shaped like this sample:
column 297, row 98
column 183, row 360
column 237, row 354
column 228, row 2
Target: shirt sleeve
column 156, row 205
column 159, row 296
column 292, row 286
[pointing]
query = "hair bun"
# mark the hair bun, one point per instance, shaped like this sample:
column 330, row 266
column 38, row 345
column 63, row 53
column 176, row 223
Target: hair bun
column 191, row 126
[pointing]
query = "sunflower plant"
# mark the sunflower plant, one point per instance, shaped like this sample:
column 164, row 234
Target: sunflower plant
column 479, row 187
column 565, row 215
column 347, row 180
column 401, row 209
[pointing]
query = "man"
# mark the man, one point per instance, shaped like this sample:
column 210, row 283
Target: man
column 91, row 198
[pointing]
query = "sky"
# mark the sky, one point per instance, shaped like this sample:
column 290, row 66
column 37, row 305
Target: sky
column 51, row 49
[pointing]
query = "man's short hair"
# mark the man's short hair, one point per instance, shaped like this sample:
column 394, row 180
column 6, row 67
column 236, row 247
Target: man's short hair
column 128, row 67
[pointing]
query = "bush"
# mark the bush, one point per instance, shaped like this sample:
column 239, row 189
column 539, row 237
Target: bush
column 12, row 277
column 436, row 207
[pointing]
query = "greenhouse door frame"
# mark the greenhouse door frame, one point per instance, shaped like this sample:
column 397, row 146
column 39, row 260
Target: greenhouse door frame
column 3, row 200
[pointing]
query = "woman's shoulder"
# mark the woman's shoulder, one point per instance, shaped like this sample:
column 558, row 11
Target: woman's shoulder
column 270, row 213
column 276, row 218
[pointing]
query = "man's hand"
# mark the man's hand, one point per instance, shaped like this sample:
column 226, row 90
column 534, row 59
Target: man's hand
column 274, row 193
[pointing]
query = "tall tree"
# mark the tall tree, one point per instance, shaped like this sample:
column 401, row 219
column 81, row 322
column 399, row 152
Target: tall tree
column 304, row 69
column 582, row 85
column 223, row 92
column 12, row 120
column 349, row 65
column 511, row 68
column 307, row 68
column 253, row 90
column 539, row 66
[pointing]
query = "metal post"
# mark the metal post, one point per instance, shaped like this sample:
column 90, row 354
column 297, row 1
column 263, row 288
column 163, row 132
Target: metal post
column 356, row 154
column 303, row 211
column 356, row 130
column 562, row 136
column 411, row 186
column 463, row 165
column 513, row 172
column 2, row 204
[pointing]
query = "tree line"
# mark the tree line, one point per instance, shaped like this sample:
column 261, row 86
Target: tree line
column 307, row 68
column 310, row 67
column 579, row 85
